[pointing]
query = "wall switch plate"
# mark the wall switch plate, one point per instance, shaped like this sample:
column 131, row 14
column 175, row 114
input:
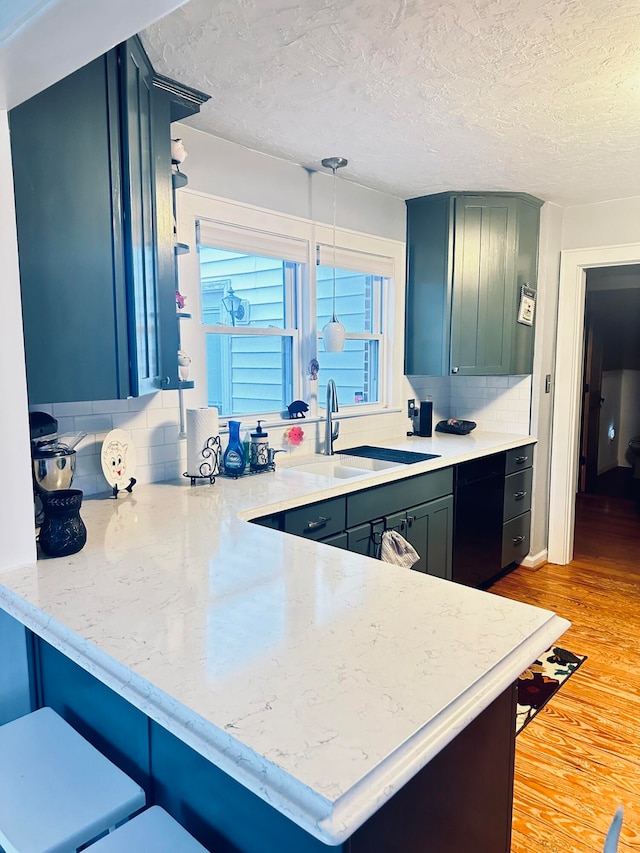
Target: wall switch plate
column 411, row 404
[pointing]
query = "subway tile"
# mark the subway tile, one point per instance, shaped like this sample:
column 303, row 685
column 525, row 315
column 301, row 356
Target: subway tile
column 169, row 399
column 146, row 402
column 72, row 409
column 94, row 423
column 172, row 434
column 147, row 437
column 142, row 455
column 162, row 453
column 173, row 470
column 129, row 420
column 103, row 407
column 91, row 484
column 150, row 473
column 515, row 381
column 498, row 381
column 162, row 417
column 66, row 424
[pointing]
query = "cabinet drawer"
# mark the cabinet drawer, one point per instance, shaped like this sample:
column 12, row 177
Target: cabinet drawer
column 317, row 521
column 515, row 539
column 393, row 497
column 518, row 458
column 517, row 493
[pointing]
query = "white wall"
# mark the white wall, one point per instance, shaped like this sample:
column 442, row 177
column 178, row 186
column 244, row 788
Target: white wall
column 220, row 168
column 544, row 365
column 629, row 415
column 16, row 498
column 608, row 448
column 608, row 223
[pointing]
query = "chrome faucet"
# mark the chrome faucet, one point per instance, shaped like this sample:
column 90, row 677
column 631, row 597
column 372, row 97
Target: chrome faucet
column 331, row 432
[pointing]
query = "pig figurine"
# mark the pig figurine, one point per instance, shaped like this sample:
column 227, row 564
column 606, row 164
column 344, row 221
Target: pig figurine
column 297, row 409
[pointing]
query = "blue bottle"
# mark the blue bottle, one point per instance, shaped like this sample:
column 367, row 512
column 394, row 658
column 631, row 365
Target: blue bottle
column 234, row 458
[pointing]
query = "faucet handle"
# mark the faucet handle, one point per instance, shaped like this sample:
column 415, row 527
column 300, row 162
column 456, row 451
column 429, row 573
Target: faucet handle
column 335, row 432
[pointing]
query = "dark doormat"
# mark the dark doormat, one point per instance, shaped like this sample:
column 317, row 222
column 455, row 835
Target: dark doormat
column 542, row 680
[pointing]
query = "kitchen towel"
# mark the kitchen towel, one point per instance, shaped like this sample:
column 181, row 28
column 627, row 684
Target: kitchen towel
column 395, row 549
column 202, row 424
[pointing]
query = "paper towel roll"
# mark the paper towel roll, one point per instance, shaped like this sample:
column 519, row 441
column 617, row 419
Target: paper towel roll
column 202, row 424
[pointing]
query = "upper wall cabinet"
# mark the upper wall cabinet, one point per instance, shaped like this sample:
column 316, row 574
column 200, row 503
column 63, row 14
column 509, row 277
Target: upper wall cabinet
column 468, row 257
column 92, row 174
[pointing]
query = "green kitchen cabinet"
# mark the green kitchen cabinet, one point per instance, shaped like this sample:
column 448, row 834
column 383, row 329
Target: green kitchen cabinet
column 92, row 176
column 429, row 529
column 420, row 508
column 468, row 257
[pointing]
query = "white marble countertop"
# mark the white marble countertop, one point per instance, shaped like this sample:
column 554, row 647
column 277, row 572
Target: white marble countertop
column 319, row 679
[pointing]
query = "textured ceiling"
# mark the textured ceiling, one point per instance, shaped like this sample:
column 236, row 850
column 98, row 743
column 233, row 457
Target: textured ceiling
column 541, row 96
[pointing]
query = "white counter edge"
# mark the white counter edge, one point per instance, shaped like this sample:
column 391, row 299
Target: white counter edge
column 330, row 823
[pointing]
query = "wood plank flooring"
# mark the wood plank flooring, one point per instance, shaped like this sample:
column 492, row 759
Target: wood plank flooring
column 580, row 758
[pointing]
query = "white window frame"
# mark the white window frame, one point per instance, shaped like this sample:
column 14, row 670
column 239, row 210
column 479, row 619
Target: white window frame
column 194, row 206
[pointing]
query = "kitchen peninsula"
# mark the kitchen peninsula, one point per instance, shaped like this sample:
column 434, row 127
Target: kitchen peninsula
column 291, row 695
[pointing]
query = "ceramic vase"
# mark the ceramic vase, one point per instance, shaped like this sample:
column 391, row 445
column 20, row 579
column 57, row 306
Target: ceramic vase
column 63, row 531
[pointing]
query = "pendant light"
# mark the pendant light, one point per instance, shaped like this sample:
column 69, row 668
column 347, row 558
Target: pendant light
column 334, row 333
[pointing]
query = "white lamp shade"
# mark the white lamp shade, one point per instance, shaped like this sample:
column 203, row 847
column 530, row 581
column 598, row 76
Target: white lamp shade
column 333, row 335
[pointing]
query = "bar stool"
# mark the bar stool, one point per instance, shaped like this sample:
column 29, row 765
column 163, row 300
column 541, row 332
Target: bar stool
column 153, row 830
column 57, row 791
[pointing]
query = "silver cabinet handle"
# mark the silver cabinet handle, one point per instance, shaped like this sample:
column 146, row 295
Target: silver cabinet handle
column 316, row 525
column 520, row 460
column 519, row 495
column 517, row 540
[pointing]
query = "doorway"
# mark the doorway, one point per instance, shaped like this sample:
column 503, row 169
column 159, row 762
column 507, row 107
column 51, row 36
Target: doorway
column 611, row 382
column 566, row 423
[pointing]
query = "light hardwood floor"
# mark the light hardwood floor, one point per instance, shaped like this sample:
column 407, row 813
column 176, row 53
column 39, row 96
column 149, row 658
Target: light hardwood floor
column 580, row 758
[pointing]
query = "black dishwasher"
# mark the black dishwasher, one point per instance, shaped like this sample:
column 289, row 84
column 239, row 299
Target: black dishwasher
column 477, row 520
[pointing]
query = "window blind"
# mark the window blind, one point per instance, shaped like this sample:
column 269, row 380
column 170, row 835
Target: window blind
column 350, row 259
column 250, row 241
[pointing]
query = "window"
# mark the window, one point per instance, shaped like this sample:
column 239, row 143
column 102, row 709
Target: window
column 359, row 297
column 264, row 285
column 249, row 318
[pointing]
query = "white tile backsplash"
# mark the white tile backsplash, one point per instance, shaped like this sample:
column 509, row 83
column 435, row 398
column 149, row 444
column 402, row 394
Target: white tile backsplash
column 495, row 403
column 152, row 421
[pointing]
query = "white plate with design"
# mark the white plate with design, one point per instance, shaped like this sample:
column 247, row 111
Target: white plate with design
column 118, row 458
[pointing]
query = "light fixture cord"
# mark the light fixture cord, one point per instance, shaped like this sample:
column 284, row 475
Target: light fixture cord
column 334, row 244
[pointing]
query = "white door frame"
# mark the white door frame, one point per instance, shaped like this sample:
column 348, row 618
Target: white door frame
column 567, row 401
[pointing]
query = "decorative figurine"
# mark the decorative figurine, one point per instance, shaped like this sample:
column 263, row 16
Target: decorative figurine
column 297, row 409
column 178, row 153
column 314, row 367
column 180, row 300
column 184, row 360
column 294, row 436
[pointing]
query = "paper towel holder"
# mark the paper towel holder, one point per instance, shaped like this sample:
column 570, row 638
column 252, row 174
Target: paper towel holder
column 210, row 466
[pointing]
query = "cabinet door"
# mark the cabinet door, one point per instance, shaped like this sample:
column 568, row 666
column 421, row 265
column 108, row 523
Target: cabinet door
column 66, row 166
column 151, row 289
column 365, row 538
column 483, row 299
column 429, row 528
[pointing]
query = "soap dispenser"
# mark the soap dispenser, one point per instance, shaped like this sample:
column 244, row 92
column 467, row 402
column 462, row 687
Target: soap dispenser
column 234, row 459
column 259, row 449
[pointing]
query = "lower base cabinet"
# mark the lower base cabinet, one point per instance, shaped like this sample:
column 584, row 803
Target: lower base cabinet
column 451, row 805
column 356, row 522
column 470, row 532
